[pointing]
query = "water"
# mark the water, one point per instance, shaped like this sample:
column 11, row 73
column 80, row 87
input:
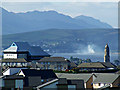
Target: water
column 93, row 57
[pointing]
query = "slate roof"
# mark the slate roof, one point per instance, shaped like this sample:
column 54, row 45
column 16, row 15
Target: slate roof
column 69, row 76
column 97, row 65
column 25, row 47
column 45, row 74
column 106, row 78
column 53, row 59
column 14, row 60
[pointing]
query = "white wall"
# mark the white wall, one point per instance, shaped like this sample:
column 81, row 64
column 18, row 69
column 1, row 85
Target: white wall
column 10, row 56
column 7, row 72
column 96, row 85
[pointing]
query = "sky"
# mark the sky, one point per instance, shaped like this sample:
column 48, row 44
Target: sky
column 104, row 11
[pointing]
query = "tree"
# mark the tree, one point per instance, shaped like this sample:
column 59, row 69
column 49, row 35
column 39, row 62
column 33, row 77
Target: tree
column 117, row 62
column 88, row 60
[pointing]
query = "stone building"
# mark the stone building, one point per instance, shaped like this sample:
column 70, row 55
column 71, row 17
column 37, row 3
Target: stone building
column 55, row 63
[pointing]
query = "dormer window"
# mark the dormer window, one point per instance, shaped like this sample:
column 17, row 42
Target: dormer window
column 13, row 44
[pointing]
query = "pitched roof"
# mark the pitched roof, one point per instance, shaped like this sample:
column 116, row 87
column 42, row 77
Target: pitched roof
column 25, row 47
column 45, row 74
column 96, row 65
column 51, row 59
column 14, row 60
column 106, row 78
column 84, row 77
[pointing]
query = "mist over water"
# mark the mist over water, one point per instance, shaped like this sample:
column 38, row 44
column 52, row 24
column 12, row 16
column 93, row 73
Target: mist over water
column 89, row 49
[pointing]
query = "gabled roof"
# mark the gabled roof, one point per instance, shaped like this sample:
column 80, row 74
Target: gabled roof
column 106, row 78
column 13, row 70
column 53, row 59
column 45, row 74
column 25, row 47
column 69, row 76
column 96, row 65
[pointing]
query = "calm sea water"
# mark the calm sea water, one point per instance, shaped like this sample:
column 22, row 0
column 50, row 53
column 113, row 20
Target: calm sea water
column 93, row 57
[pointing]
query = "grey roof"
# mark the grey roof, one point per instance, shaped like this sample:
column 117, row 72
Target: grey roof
column 53, row 59
column 13, row 60
column 22, row 46
column 33, row 50
column 96, row 65
column 69, row 76
column 106, row 78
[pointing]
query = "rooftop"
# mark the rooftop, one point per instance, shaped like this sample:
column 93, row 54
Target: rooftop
column 97, row 65
column 69, row 76
column 25, row 47
column 43, row 73
column 106, row 77
column 14, row 60
column 51, row 59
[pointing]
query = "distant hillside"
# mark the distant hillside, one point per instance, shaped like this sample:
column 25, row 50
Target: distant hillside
column 62, row 40
column 36, row 20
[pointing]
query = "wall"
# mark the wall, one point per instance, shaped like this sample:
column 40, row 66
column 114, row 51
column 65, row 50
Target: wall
column 53, row 65
column 10, row 56
column 96, row 85
column 116, row 82
column 89, row 82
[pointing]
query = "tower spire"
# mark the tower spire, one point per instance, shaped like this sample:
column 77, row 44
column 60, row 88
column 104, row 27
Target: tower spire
column 106, row 56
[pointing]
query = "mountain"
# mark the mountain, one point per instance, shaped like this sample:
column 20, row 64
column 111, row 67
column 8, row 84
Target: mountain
column 37, row 20
column 68, row 41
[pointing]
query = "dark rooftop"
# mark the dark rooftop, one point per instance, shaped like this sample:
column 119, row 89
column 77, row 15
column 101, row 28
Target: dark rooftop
column 45, row 74
column 25, row 47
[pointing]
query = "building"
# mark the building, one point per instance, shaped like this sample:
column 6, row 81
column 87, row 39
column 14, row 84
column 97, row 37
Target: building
column 20, row 53
column 86, row 77
column 106, row 56
column 55, row 63
column 96, row 66
column 33, row 77
column 106, row 80
column 62, row 83
column 11, row 82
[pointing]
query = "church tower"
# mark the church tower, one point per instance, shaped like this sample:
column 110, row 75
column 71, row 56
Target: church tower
column 106, row 56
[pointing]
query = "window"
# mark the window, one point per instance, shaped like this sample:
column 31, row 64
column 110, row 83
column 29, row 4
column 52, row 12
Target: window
column 42, row 80
column 98, row 84
column 48, row 62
